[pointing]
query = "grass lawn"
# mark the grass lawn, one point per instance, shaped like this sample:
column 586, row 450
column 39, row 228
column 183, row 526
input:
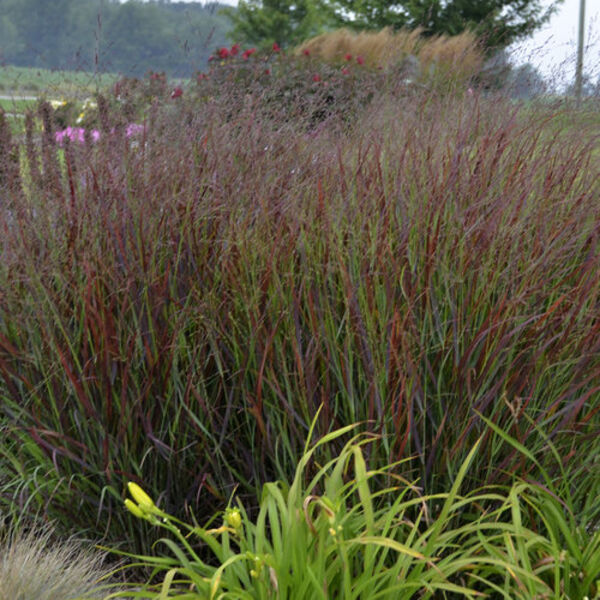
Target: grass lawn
column 25, row 81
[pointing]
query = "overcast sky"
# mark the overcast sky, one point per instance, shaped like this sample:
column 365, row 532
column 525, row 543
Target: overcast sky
column 553, row 49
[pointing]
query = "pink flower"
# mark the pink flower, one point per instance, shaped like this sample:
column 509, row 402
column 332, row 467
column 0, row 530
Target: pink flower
column 276, row 47
column 348, row 56
column 234, row 49
column 75, row 134
column 133, row 129
column 345, row 71
column 306, row 52
column 246, row 54
column 177, row 92
column 316, row 77
column 360, row 60
column 223, row 53
column 470, row 91
column 211, row 58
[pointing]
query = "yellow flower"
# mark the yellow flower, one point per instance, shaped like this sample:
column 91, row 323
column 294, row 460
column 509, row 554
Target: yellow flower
column 57, row 103
column 134, row 509
column 233, row 518
column 139, row 495
column 80, row 117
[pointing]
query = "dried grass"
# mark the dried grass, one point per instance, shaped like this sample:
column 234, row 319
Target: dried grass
column 458, row 56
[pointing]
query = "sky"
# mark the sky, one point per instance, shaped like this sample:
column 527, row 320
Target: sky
column 553, row 49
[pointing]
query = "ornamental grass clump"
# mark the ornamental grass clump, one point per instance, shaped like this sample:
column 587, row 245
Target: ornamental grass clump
column 174, row 311
column 35, row 566
column 438, row 59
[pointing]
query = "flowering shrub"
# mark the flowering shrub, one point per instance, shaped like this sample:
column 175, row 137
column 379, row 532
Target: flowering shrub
column 296, row 88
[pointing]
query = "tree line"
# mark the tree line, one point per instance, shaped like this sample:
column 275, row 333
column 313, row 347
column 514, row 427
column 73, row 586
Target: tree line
column 135, row 37
column 498, row 23
column 108, row 36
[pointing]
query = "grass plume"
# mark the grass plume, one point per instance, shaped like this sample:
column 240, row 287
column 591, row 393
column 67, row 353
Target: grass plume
column 457, row 58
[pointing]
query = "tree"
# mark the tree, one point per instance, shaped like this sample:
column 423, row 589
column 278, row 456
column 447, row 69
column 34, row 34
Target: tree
column 9, row 38
column 588, row 88
column 132, row 37
column 264, row 22
column 497, row 22
column 525, row 82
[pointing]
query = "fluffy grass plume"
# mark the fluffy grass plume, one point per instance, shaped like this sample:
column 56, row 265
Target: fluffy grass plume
column 458, row 57
column 33, row 566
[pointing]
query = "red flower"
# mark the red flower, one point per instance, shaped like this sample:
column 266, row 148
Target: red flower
column 306, row 52
column 211, row 57
column 267, row 71
column 348, row 56
column 177, row 92
column 276, row 47
column 246, row 54
column 360, row 60
column 345, row 71
column 316, row 77
column 202, row 76
column 234, row 49
column 223, row 53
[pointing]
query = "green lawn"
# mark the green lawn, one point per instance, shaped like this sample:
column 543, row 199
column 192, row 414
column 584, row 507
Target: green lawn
column 20, row 81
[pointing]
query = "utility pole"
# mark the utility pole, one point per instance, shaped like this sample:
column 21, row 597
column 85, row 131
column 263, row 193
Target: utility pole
column 579, row 65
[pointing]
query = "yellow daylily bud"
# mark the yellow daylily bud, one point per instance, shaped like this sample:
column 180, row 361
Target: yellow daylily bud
column 140, row 496
column 233, row 518
column 134, row 509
